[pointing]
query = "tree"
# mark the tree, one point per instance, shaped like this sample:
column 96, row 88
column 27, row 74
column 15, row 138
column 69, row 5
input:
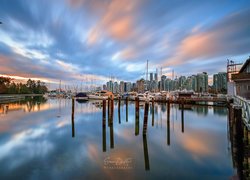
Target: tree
column 4, row 84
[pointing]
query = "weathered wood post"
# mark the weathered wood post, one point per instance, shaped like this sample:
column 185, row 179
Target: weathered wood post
column 153, row 111
column 119, row 109
column 145, row 148
column 182, row 116
column 239, row 140
column 104, row 125
column 108, row 111
column 126, row 109
column 145, row 123
column 111, row 134
column 73, row 117
column 137, row 121
column 168, row 124
column 112, row 105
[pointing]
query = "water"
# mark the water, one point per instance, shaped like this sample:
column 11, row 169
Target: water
column 40, row 140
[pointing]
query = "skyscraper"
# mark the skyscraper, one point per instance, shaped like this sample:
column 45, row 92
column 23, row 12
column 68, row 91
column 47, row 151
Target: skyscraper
column 220, row 82
column 151, row 77
column 121, row 89
column 202, row 82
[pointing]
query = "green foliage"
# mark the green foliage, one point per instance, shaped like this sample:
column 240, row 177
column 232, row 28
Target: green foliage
column 8, row 86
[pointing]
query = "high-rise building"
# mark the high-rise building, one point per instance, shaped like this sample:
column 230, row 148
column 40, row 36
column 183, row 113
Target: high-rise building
column 116, row 88
column 110, row 86
column 128, row 87
column 104, row 87
column 121, row 89
column 182, row 80
column 194, row 83
column 162, row 82
column 151, row 78
column 140, row 85
column 202, row 82
column 220, row 82
column 156, row 77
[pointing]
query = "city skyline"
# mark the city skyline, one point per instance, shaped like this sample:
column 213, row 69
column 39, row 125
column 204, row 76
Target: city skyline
column 77, row 40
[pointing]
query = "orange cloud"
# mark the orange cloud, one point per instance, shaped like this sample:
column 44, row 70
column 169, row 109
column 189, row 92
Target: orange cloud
column 117, row 21
column 193, row 47
column 199, row 145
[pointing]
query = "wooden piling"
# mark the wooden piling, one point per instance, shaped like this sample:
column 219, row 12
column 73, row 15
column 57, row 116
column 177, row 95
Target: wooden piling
column 145, row 123
column 126, row 109
column 119, row 109
column 239, row 141
column 104, row 125
column 104, row 110
column 111, row 134
column 182, row 117
column 73, row 117
column 168, row 123
column 145, row 149
column 112, row 107
column 137, row 121
column 153, row 111
column 108, row 111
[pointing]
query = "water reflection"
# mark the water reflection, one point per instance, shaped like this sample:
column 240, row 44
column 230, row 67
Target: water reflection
column 145, row 150
column 30, row 139
column 29, row 104
column 73, row 117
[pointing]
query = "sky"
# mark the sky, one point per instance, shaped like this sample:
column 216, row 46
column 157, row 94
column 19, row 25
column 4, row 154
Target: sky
column 88, row 41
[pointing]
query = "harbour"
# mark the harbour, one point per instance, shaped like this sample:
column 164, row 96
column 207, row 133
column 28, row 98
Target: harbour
column 78, row 137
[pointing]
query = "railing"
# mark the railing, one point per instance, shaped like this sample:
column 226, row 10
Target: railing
column 245, row 104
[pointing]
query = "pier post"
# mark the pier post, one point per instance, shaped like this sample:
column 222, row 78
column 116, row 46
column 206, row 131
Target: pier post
column 168, row 123
column 112, row 109
column 239, row 140
column 145, row 149
column 111, row 134
column 119, row 109
column 104, row 110
column 153, row 111
column 145, row 123
column 126, row 109
column 137, row 121
column 73, row 117
column 108, row 111
column 104, row 125
column 182, row 116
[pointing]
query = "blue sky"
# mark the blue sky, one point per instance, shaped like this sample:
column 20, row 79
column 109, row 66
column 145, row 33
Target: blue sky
column 91, row 40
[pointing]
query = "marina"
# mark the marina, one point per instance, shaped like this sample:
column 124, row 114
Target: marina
column 99, row 132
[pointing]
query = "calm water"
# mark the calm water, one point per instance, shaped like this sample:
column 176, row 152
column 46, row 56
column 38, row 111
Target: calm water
column 39, row 140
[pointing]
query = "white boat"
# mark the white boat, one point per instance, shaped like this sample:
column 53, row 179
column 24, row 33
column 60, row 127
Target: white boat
column 101, row 95
column 142, row 97
column 97, row 96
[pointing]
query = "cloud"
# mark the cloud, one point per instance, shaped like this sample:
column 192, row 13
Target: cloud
column 63, row 39
column 228, row 37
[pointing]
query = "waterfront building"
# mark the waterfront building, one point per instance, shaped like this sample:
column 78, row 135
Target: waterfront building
column 202, row 82
column 162, row 82
column 151, row 78
column 220, row 82
column 140, row 85
column 116, row 88
column 127, row 86
column 242, row 80
column 104, row 87
column 181, row 82
column 194, row 83
column 110, row 86
column 156, row 77
column 121, row 89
